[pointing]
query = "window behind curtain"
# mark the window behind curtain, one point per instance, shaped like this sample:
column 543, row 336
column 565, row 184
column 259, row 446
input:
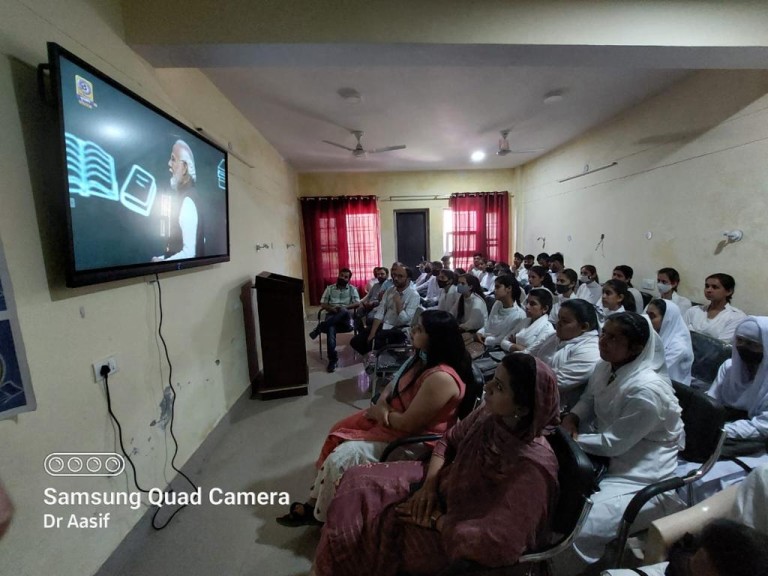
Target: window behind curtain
column 340, row 232
column 480, row 224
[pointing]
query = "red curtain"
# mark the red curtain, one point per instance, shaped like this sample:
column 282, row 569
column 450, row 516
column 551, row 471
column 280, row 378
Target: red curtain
column 480, row 224
column 340, row 232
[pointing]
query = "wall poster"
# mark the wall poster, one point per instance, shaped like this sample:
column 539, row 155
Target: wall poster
column 16, row 393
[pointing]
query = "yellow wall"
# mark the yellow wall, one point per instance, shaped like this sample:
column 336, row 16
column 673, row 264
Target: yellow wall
column 426, row 184
column 65, row 330
column 692, row 163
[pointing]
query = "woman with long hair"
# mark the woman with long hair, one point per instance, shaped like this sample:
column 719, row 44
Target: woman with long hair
column 422, row 398
column 589, row 287
column 470, row 309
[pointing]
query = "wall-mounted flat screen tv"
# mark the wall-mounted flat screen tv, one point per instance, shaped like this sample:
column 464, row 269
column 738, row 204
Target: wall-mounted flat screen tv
column 142, row 192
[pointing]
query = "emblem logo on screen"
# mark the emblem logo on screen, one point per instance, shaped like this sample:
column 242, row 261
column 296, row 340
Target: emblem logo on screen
column 84, row 91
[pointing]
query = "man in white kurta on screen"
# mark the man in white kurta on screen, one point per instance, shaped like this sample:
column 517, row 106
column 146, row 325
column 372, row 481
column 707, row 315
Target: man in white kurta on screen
column 185, row 227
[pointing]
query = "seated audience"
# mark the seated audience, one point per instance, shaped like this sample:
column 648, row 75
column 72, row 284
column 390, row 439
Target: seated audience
column 529, row 339
column 718, row 318
column 742, row 382
column 538, row 277
column 616, row 299
column 430, row 290
column 589, row 289
column 446, row 260
column 629, row 414
column 572, row 351
column 364, row 312
column 543, row 260
column 488, row 277
column 425, row 273
column 502, row 268
column 392, row 315
column 566, row 289
column 459, row 272
column 337, row 300
column 485, row 496
column 522, row 271
column 422, row 398
column 625, row 273
column 476, row 267
column 449, row 295
column 506, row 316
column 667, row 281
column 678, row 351
column 470, row 310
column 556, row 265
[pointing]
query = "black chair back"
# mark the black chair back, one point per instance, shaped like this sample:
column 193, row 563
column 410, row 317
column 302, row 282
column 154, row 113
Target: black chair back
column 646, row 299
column 702, row 420
column 708, row 354
column 576, row 478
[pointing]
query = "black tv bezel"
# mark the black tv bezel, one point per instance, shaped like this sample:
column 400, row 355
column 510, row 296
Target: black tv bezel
column 76, row 278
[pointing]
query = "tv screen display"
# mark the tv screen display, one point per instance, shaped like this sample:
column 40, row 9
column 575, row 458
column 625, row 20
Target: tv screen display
column 143, row 193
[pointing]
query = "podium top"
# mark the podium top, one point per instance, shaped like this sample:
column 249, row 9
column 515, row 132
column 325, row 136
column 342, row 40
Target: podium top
column 271, row 280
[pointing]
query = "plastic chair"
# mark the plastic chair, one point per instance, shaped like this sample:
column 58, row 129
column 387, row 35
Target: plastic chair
column 703, row 422
column 708, row 355
column 576, row 479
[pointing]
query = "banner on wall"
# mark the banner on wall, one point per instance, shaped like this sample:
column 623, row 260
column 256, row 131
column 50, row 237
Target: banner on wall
column 16, row 393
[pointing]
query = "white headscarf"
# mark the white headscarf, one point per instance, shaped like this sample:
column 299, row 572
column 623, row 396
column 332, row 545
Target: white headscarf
column 738, row 389
column 678, row 350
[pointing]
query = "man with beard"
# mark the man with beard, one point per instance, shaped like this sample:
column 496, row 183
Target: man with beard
column 185, row 235
column 337, row 300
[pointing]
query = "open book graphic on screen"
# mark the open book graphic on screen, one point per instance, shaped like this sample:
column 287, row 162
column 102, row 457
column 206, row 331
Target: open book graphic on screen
column 90, row 169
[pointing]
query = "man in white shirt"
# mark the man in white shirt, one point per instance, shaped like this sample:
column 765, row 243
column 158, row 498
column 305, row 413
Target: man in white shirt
column 364, row 313
column 394, row 313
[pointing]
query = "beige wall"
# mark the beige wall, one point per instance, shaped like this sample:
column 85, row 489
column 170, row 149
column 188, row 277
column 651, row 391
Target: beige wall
column 65, row 330
column 426, row 184
column 692, row 163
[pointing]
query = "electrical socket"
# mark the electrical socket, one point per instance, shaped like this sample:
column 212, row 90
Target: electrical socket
column 649, row 283
column 110, row 361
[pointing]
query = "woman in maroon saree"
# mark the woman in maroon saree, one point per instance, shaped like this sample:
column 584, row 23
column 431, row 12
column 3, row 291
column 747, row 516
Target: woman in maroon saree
column 486, row 495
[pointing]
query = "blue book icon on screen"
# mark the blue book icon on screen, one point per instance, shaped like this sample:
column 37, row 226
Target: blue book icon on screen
column 221, row 175
column 138, row 191
column 90, row 169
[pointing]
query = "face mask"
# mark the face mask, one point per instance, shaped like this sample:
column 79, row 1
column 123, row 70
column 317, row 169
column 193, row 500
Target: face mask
column 463, row 288
column 341, row 282
column 442, row 283
column 584, row 279
column 562, row 288
column 663, row 288
column 749, row 356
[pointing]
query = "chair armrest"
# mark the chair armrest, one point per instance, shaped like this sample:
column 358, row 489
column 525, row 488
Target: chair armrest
column 405, row 441
column 666, row 531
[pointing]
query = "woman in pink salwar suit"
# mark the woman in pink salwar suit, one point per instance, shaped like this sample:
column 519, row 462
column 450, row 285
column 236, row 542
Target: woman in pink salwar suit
column 485, row 496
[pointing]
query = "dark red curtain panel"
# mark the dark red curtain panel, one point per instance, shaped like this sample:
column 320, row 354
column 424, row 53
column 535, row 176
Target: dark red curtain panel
column 340, row 232
column 480, row 224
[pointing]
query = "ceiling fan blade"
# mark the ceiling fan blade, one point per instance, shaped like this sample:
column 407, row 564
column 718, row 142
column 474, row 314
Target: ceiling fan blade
column 339, row 145
column 387, row 149
column 531, row 151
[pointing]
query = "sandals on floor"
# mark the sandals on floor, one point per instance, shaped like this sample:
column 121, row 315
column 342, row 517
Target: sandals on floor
column 299, row 514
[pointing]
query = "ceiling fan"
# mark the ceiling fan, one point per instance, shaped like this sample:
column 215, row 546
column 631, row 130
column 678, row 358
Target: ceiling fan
column 504, row 148
column 358, row 151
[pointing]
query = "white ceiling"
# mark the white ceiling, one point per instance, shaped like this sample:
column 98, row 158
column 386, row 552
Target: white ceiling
column 442, row 101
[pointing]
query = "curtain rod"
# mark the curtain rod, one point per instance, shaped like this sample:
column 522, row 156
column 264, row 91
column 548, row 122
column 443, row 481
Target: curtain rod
column 414, row 198
column 588, row 172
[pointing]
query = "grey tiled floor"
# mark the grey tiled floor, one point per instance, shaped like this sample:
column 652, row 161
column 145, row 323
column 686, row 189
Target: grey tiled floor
column 258, row 446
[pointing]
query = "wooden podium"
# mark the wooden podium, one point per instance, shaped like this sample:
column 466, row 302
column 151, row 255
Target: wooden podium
column 279, row 317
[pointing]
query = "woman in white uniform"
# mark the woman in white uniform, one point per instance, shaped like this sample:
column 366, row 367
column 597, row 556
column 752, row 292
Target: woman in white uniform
column 616, row 299
column 589, row 289
column 506, row 317
column 470, row 309
column 628, row 413
column 667, row 281
column 567, row 280
column 668, row 322
column 572, row 352
column 718, row 318
column 625, row 273
column 742, row 382
column 540, row 328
